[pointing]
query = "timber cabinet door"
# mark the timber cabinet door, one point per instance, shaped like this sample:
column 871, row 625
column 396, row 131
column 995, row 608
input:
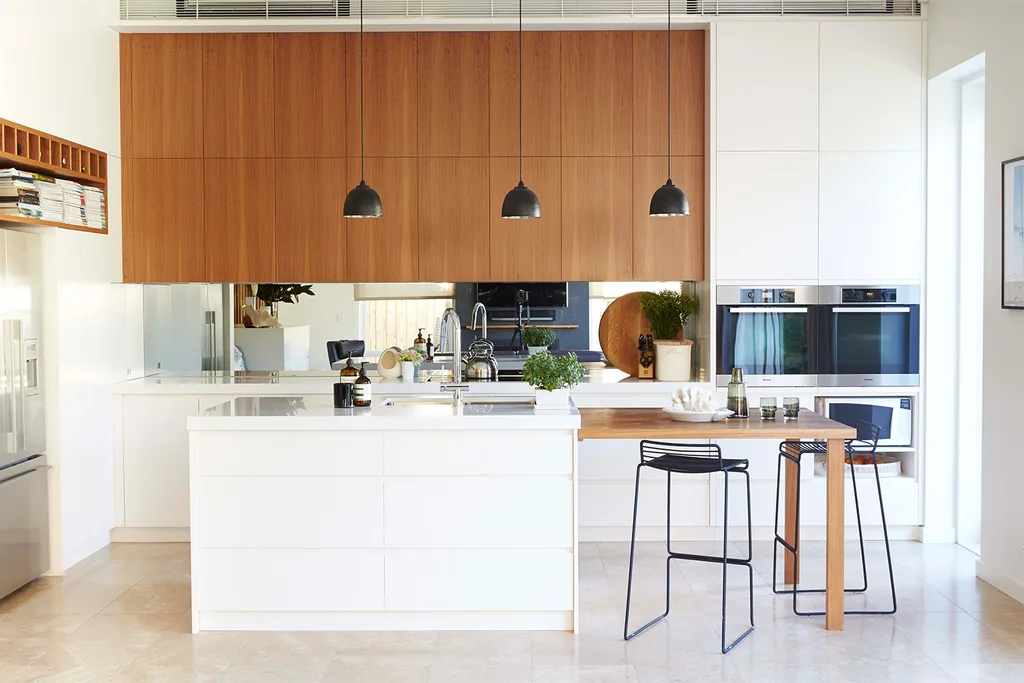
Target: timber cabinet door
column 453, row 219
column 238, row 95
column 597, row 93
column 310, row 235
column 392, row 87
column 528, row 250
column 386, row 249
column 310, row 76
column 453, row 100
column 542, row 94
column 597, row 218
column 668, row 248
column 240, row 203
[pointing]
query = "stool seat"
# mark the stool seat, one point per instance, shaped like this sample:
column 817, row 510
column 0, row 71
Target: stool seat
column 686, row 464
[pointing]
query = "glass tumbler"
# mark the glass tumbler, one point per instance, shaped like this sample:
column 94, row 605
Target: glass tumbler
column 768, row 408
column 791, row 408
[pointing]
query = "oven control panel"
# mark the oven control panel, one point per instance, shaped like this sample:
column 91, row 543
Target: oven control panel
column 878, row 295
column 759, row 295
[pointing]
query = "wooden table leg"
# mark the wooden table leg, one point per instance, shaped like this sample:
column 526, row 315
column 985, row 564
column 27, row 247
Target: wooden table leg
column 792, row 475
column 834, row 535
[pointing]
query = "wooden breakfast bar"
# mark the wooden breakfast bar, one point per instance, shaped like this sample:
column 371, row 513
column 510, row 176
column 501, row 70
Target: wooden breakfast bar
column 652, row 423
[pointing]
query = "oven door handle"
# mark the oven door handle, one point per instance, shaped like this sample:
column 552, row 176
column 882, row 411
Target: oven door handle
column 767, row 309
column 874, row 309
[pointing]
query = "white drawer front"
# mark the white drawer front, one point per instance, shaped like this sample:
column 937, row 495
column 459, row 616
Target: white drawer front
column 289, row 580
column 478, row 512
column 505, row 452
column 611, row 503
column 479, row 580
column 289, row 512
column 288, row 453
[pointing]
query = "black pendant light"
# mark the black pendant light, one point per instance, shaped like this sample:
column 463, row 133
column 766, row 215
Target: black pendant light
column 362, row 201
column 669, row 200
column 520, row 202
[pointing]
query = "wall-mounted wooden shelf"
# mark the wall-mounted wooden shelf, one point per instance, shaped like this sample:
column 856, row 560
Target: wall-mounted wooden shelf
column 32, row 150
column 512, row 327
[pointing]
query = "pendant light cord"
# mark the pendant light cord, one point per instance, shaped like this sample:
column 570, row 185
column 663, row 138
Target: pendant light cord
column 362, row 104
column 520, row 92
column 669, row 89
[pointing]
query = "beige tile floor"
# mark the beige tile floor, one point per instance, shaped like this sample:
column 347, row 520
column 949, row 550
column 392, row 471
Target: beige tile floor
column 122, row 615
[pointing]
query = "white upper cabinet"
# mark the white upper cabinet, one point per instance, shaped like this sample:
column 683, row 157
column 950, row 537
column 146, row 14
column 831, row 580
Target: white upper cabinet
column 767, row 216
column 870, row 217
column 767, row 86
column 871, row 85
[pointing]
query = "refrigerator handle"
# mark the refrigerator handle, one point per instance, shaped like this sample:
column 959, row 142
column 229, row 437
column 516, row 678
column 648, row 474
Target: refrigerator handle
column 11, row 428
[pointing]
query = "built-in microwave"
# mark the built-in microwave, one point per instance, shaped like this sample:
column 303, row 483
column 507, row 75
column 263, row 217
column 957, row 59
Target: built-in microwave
column 894, row 415
column 869, row 336
column 768, row 332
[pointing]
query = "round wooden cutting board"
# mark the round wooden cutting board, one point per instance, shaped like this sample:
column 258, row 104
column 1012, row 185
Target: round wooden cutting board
column 621, row 326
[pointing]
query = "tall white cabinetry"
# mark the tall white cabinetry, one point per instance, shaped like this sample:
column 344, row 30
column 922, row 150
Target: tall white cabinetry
column 818, row 130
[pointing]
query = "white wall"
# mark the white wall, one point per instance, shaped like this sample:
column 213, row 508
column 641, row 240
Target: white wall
column 73, row 92
column 958, row 31
column 331, row 315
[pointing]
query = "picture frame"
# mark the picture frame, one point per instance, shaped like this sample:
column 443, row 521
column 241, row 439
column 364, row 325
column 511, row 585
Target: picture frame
column 1012, row 295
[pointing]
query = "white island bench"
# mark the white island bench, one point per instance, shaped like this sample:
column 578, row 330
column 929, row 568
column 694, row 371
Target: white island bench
column 391, row 517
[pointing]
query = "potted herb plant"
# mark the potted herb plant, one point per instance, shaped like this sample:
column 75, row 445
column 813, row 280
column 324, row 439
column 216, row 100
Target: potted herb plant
column 538, row 338
column 552, row 378
column 409, row 360
column 667, row 311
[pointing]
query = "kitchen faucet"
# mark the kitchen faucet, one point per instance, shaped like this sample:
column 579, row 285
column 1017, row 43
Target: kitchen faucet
column 482, row 309
column 451, row 327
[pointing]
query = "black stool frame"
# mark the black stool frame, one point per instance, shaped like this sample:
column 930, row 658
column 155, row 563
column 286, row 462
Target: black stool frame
column 866, row 443
column 681, row 458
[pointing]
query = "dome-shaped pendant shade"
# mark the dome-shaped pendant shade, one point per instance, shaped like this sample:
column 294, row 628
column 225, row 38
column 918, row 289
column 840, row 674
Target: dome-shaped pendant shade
column 669, row 200
column 363, row 201
column 520, row 202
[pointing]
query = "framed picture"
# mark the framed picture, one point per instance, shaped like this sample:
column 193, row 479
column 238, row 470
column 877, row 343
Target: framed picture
column 1013, row 233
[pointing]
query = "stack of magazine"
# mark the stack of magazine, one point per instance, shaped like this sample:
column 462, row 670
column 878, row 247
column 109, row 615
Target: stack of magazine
column 18, row 194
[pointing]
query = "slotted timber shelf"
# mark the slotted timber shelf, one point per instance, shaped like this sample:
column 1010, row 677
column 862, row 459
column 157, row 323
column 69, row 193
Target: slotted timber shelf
column 28, row 149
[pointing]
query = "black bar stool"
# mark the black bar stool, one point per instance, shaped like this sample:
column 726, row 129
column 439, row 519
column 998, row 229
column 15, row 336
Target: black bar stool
column 681, row 458
column 865, row 444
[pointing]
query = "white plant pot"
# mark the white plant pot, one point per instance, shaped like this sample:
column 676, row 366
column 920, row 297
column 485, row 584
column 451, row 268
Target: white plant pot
column 672, row 360
column 408, row 372
column 536, row 349
column 551, row 400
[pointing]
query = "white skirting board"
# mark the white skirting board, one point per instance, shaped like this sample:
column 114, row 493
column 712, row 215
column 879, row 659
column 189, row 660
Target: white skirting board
column 1000, row 581
column 382, row 621
column 123, row 534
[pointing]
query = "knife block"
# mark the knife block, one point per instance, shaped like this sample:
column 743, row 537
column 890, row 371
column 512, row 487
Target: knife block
column 646, row 370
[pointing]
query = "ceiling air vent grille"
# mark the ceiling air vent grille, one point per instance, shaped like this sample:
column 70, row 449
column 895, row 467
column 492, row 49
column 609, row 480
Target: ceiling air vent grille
column 484, row 9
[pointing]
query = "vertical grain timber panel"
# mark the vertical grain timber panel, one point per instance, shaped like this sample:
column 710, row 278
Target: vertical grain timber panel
column 239, row 203
column 453, row 222
column 310, row 112
column 167, row 226
column 526, row 250
column 597, row 231
column 238, row 95
column 385, row 249
column 667, row 249
column 309, row 227
column 391, row 87
column 542, row 94
column 165, row 95
column 597, row 108
column 650, row 97
column 128, row 226
column 453, row 99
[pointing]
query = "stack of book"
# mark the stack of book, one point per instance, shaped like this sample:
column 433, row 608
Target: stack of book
column 18, row 195
column 74, row 201
column 51, row 198
column 95, row 213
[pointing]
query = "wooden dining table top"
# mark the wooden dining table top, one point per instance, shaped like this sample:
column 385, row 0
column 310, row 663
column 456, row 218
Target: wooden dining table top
column 653, row 423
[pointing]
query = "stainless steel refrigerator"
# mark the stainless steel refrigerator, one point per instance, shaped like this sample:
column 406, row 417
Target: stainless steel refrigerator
column 24, row 524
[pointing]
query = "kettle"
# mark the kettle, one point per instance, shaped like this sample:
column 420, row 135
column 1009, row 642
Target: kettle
column 480, row 362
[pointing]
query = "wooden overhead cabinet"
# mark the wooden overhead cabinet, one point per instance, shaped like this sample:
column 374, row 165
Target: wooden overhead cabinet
column 163, row 112
column 240, row 203
column 453, row 104
column 238, row 95
column 597, row 218
column 667, row 249
column 165, row 240
column 527, row 250
column 453, row 219
column 309, row 227
column 597, row 107
column 391, row 86
column 650, row 96
column 542, row 94
column 310, row 75
column 385, row 249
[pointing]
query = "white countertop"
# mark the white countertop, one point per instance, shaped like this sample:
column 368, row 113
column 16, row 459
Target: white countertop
column 317, row 413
